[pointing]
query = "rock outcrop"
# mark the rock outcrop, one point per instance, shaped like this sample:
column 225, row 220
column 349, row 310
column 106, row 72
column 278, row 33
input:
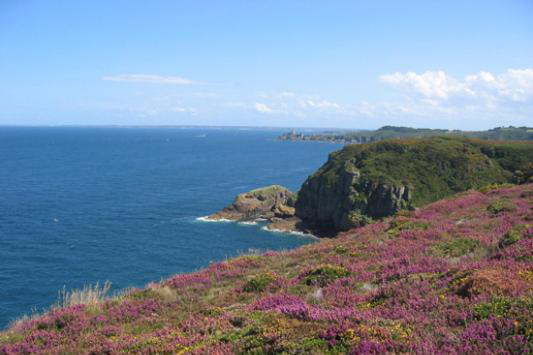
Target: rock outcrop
column 369, row 181
column 350, row 200
column 267, row 203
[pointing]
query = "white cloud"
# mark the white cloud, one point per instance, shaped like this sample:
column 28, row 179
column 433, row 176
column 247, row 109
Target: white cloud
column 292, row 104
column 150, row 78
column 513, row 84
column 319, row 104
column 484, row 95
column 263, row 108
column 432, row 98
column 436, row 84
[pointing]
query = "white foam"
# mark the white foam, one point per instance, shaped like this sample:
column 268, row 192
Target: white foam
column 298, row 233
column 207, row 219
column 248, row 223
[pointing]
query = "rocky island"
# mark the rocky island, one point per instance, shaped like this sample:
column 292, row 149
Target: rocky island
column 273, row 204
column 265, row 203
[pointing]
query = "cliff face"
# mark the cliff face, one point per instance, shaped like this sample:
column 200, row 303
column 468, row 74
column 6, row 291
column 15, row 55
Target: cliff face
column 350, row 200
column 379, row 179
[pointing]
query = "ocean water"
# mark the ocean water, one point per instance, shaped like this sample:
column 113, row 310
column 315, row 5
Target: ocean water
column 81, row 205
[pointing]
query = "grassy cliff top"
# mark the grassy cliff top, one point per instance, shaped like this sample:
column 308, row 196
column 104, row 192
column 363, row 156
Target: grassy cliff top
column 267, row 191
column 453, row 277
column 434, row 167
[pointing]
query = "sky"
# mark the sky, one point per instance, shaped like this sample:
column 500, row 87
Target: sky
column 348, row 64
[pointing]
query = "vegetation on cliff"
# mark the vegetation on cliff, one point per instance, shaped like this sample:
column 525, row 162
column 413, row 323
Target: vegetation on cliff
column 453, row 277
column 394, row 132
column 379, row 179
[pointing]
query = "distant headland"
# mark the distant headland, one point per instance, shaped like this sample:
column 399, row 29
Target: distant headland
column 394, row 132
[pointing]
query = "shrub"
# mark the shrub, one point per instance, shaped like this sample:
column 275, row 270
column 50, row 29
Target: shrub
column 456, row 247
column 400, row 224
column 497, row 307
column 324, row 274
column 501, row 205
column 491, row 187
column 259, row 282
column 341, row 249
column 514, row 235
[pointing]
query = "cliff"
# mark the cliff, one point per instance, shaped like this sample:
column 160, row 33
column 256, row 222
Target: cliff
column 379, row 179
column 453, row 277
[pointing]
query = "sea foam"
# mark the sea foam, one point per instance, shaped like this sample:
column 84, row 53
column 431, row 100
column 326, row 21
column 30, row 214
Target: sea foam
column 207, row 219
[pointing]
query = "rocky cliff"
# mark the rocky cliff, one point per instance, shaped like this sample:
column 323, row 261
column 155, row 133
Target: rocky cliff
column 375, row 180
column 264, row 203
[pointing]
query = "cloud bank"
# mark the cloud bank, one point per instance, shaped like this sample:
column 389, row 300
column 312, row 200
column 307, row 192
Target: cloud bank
column 483, row 89
column 150, row 78
column 430, row 99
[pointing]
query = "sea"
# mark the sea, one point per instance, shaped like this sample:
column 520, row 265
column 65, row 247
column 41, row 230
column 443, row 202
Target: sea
column 81, row 205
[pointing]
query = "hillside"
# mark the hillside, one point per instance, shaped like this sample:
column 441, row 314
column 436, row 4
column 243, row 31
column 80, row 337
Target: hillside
column 394, row 132
column 378, row 179
column 453, row 277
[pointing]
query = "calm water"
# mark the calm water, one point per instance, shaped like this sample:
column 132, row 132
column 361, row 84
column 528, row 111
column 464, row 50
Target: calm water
column 80, row 205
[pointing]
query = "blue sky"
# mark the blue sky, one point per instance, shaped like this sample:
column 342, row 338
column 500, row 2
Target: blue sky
column 351, row 64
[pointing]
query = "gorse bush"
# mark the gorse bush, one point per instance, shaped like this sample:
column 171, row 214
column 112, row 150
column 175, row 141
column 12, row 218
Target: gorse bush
column 491, row 187
column 501, row 205
column 324, row 274
column 400, row 224
column 456, row 247
column 259, row 282
column 514, row 235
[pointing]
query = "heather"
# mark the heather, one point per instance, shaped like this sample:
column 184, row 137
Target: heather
column 453, row 277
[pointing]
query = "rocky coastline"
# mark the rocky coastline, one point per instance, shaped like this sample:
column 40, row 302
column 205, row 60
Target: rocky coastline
column 273, row 204
column 366, row 182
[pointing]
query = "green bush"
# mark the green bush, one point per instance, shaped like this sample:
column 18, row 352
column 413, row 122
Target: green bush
column 490, row 187
column 456, row 247
column 497, row 307
column 398, row 225
column 324, row 274
column 514, row 235
column 341, row 249
column 259, row 282
column 501, row 205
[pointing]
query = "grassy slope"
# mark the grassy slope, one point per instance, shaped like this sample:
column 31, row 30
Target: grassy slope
column 435, row 167
column 454, row 277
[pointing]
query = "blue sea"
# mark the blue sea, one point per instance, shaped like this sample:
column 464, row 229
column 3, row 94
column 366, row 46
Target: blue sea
column 85, row 205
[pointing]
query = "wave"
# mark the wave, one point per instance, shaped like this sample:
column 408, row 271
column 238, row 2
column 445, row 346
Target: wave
column 207, row 219
column 248, row 223
column 298, row 233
